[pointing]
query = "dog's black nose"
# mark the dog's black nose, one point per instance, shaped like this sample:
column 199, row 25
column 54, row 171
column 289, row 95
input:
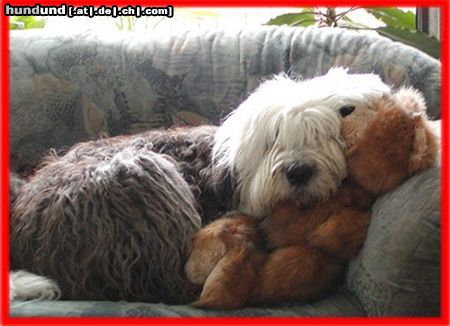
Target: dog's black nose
column 299, row 174
column 346, row 110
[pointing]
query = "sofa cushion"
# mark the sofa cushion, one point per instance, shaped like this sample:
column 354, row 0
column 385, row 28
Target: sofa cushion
column 339, row 304
column 397, row 273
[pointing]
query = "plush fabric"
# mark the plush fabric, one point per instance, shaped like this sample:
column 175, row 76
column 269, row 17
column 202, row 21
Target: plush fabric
column 70, row 88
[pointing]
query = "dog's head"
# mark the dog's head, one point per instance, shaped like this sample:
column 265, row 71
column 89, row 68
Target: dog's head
column 390, row 143
column 284, row 142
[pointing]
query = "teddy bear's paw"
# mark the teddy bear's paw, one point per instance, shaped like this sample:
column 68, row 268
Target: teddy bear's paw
column 217, row 303
column 322, row 238
column 235, row 236
column 230, row 235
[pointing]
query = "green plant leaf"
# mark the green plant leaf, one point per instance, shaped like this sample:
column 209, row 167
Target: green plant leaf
column 303, row 18
column 16, row 25
column 347, row 22
column 304, row 22
column 26, row 22
column 394, row 17
column 417, row 39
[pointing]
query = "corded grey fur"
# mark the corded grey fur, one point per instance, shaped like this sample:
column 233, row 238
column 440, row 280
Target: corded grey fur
column 110, row 220
column 15, row 184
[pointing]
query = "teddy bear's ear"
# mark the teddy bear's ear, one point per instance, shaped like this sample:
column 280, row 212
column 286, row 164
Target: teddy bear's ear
column 410, row 100
column 425, row 146
column 424, row 149
column 396, row 144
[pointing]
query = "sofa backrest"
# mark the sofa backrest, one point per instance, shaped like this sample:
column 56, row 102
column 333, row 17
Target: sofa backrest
column 71, row 88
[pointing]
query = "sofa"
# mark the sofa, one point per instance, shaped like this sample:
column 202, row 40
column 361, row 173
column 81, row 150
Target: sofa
column 67, row 88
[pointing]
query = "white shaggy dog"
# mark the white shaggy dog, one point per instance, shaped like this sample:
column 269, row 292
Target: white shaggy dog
column 282, row 143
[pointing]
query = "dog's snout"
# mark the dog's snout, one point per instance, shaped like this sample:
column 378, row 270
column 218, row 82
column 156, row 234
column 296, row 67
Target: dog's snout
column 299, row 174
column 346, row 110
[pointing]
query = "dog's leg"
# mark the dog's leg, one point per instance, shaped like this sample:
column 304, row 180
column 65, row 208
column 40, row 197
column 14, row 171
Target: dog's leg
column 343, row 234
column 27, row 286
column 294, row 273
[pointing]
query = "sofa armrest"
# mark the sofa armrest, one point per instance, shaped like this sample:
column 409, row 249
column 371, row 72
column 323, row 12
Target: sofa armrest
column 397, row 273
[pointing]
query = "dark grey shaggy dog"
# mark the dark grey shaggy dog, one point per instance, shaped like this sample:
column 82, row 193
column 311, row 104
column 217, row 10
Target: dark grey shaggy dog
column 113, row 219
column 15, row 184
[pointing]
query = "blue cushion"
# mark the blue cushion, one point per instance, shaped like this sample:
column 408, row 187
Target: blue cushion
column 397, row 273
column 339, row 304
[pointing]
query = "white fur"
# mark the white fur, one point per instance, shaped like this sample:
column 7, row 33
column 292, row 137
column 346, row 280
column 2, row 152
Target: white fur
column 286, row 121
column 27, row 286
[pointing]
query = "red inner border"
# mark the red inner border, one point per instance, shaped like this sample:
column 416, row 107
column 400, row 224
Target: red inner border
column 4, row 174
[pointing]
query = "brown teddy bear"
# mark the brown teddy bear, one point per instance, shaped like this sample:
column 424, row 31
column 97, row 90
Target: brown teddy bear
column 299, row 253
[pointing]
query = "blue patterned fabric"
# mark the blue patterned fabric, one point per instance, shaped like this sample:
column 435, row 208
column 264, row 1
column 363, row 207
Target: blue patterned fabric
column 339, row 304
column 70, row 88
column 398, row 270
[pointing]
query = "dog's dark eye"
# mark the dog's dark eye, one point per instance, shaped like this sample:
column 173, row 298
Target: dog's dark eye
column 346, row 110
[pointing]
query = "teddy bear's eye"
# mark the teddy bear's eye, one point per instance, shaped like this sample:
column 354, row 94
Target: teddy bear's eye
column 346, row 110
